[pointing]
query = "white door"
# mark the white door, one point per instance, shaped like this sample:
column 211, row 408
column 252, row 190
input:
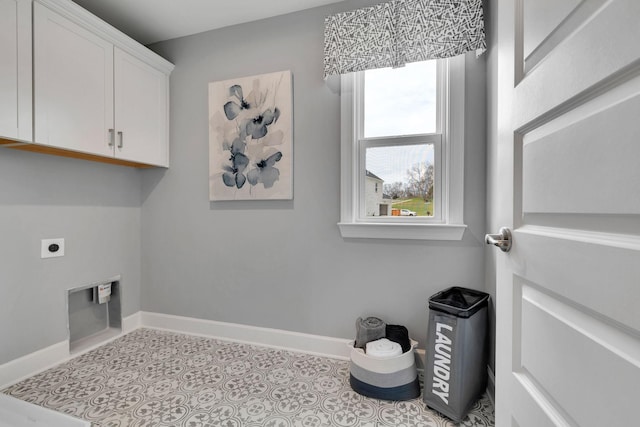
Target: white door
column 141, row 111
column 568, row 292
column 73, row 85
column 15, row 69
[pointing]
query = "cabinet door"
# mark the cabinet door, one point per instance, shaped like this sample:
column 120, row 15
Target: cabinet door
column 15, row 69
column 73, row 85
column 141, row 112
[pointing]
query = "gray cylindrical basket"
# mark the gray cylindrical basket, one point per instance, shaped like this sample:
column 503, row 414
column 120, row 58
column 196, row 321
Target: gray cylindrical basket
column 455, row 373
column 394, row 378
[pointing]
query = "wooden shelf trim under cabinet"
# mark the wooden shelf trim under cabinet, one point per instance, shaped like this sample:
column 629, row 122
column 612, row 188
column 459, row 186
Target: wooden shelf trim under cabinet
column 54, row 151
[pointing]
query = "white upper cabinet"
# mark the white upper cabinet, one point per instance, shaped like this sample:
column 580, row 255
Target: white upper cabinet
column 15, row 69
column 141, row 113
column 73, row 85
column 96, row 91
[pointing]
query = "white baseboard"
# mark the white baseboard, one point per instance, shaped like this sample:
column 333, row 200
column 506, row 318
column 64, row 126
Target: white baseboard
column 41, row 360
column 33, row 363
column 131, row 323
column 266, row 337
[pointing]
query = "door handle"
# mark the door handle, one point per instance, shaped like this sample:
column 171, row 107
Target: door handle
column 111, row 137
column 120, row 139
column 502, row 240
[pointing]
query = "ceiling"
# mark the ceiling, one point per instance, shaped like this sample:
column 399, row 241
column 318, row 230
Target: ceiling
column 149, row 21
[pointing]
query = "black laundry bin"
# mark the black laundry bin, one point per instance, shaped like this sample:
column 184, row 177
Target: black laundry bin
column 455, row 374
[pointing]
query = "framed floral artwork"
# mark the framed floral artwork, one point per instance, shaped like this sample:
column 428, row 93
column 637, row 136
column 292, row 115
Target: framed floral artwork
column 251, row 138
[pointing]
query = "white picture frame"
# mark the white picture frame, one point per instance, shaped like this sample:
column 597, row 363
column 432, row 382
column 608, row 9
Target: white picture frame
column 251, row 138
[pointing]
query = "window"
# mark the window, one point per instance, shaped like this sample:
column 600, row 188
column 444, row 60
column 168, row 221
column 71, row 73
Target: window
column 403, row 133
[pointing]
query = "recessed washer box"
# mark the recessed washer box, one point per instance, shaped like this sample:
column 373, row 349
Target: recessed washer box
column 90, row 322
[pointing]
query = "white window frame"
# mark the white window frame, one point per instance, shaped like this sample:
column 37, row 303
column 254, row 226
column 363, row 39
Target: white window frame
column 447, row 223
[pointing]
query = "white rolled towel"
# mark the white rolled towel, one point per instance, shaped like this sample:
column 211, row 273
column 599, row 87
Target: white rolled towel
column 383, row 349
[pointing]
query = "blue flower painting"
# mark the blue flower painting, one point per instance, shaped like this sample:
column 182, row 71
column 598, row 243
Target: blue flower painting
column 250, row 138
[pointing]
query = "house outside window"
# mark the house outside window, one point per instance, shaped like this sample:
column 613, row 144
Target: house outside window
column 376, row 202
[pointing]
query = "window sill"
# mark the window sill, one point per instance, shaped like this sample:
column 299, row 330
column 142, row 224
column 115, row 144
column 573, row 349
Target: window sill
column 367, row 230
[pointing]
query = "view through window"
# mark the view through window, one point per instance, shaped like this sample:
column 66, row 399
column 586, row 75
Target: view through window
column 400, row 123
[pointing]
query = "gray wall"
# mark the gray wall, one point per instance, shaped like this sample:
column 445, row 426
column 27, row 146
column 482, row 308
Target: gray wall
column 289, row 269
column 96, row 208
column 284, row 264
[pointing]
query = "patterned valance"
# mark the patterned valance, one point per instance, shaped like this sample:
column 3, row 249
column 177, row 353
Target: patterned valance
column 397, row 32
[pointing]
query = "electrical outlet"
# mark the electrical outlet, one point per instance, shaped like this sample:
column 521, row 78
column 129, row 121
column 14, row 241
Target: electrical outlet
column 51, row 248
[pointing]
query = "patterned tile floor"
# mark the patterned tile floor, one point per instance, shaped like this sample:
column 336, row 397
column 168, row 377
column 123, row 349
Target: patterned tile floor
column 152, row 378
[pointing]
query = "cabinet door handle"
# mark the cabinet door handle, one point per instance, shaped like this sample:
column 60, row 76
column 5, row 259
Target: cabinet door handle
column 111, row 137
column 120, row 139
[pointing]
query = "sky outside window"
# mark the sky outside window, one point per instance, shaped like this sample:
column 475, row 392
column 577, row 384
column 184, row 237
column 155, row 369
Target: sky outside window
column 392, row 163
column 399, row 101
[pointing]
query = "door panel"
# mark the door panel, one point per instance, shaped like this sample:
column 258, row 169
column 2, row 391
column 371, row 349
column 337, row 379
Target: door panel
column 529, row 412
column 73, row 84
column 541, row 18
column 581, row 65
column 570, row 358
column 9, row 68
column 547, row 23
column 141, row 111
column 568, row 340
column 596, row 271
column 568, row 164
column 15, row 69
